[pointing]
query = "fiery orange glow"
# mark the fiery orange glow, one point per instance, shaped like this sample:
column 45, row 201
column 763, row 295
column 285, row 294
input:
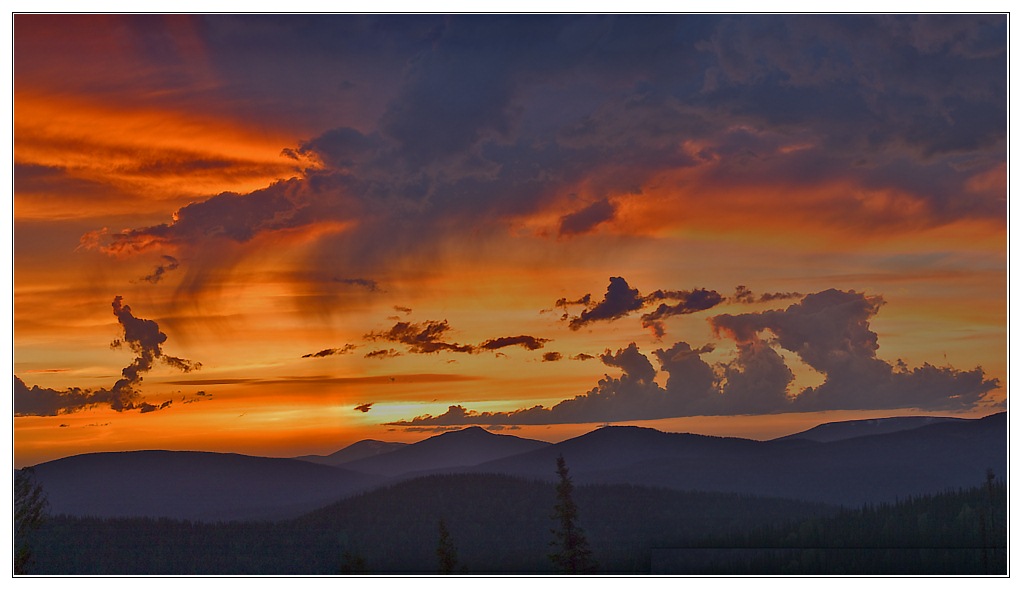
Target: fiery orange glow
column 351, row 227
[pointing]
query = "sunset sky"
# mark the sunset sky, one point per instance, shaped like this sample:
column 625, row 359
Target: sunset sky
column 278, row 235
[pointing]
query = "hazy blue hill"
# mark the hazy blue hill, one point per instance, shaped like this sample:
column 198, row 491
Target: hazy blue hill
column 192, row 485
column 454, row 449
column 366, row 448
column 836, row 431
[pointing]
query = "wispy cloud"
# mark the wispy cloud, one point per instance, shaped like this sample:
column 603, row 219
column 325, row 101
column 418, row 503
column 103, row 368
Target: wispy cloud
column 347, row 348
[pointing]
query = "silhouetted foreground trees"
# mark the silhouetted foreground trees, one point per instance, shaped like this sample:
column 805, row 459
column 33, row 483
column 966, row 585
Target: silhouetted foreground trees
column 29, row 512
column 502, row 525
column 447, row 556
column 961, row 532
column 571, row 550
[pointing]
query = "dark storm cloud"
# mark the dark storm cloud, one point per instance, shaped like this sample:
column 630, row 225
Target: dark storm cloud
column 531, row 343
column 551, row 356
column 471, row 122
column 144, row 338
column 587, row 218
column 828, row 330
column 348, row 348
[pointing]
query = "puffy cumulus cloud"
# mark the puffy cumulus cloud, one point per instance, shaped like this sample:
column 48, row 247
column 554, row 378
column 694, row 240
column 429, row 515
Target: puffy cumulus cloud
column 144, row 338
column 828, row 330
column 620, row 300
column 348, row 348
column 551, row 356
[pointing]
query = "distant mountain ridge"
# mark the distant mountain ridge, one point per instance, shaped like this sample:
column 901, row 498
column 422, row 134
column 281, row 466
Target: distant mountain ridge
column 838, row 430
column 932, row 458
column 366, row 448
column 454, row 449
column 921, row 457
column 202, row 486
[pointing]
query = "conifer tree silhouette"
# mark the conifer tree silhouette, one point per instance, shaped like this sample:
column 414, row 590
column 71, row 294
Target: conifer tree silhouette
column 572, row 555
column 447, row 558
column 29, row 511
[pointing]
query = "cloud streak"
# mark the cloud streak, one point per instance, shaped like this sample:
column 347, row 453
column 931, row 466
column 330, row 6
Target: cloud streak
column 429, row 337
column 170, row 263
column 348, row 348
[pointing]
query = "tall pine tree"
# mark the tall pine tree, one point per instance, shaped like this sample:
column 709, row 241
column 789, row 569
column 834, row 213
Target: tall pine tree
column 447, row 559
column 572, row 552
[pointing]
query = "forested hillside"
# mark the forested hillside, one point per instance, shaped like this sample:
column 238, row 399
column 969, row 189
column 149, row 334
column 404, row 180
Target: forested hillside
column 961, row 532
column 498, row 524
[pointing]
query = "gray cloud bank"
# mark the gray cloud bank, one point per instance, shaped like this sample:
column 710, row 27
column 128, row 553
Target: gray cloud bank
column 829, row 331
column 468, row 129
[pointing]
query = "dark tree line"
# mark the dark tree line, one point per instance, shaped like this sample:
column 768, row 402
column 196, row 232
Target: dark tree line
column 499, row 524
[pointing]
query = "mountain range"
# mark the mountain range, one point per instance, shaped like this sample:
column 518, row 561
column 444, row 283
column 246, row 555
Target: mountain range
column 848, row 463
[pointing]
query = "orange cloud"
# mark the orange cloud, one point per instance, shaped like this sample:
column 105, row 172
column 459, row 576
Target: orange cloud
column 158, row 157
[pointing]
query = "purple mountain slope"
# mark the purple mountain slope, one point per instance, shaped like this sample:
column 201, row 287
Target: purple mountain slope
column 848, row 429
column 454, row 449
column 199, row 486
column 928, row 459
column 366, row 448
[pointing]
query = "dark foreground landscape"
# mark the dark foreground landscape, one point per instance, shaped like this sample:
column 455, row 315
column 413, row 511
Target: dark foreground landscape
column 892, row 496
